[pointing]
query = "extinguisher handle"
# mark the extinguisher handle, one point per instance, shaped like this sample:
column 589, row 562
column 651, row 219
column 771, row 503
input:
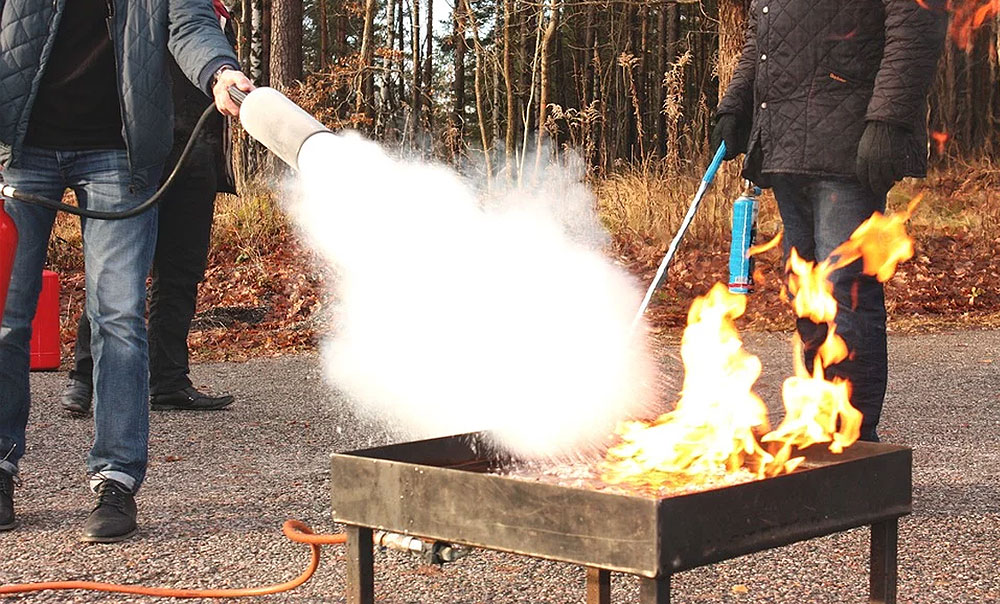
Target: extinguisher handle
column 236, row 94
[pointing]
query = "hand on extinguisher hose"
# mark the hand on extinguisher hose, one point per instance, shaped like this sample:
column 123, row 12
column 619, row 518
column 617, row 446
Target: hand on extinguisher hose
column 226, row 78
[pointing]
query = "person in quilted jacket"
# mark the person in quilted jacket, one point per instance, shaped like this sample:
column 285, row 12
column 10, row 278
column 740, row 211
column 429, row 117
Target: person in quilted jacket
column 828, row 102
column 85, row 104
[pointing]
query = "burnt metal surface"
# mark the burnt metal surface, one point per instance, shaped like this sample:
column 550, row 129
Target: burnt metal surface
column 443, row 489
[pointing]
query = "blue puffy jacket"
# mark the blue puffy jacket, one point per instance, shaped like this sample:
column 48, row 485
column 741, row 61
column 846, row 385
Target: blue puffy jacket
column 142, row 32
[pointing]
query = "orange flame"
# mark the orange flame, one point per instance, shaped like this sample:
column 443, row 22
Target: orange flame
column 711, row 430
column 763, row 247
column 968, row 16
column 881, row 242
column 940, row 138
column 717, row 425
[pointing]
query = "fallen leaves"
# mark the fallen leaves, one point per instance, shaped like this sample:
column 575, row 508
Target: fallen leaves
column 268, row 303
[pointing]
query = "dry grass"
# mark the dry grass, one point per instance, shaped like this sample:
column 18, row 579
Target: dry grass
column 645, row 205
column 66, row 243
column 248, row 223
column 641, row 206
column 960, row 198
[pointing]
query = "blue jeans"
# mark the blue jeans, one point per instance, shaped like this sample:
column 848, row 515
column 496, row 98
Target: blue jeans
column 117, row 256
column 818, row 215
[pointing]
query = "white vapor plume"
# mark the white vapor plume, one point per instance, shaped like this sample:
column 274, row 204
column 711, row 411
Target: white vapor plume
column 457, row 314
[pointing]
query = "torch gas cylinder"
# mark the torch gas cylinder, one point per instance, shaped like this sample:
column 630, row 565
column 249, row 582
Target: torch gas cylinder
column 8, row 244
column 744, row 234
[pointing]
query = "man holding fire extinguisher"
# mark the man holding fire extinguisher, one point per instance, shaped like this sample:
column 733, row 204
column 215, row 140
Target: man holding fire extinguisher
column 85, row 104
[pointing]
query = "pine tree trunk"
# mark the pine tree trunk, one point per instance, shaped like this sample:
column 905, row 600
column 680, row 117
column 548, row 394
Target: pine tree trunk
column 415, row 126
column 402, row 53
column 286, row 43
column 589, row 35
column 545, row 78
column 657, row 84
column 265, row 40
column 389, row 83
column 479, row 77
column 458, row 38
column 429, row 67
column 364, row 101
column 324, row 36
column 508, row 76
column 339, row 34
column 495, row 70
column 641, row 82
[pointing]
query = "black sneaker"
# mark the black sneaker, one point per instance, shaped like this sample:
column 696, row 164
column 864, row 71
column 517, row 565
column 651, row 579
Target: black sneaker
column 77, row 398
column 7, row 519
column 189, row 399
column 113, row 519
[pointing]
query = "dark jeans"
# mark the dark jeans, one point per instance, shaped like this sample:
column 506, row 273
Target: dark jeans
column 818, row 215
column 178, row 266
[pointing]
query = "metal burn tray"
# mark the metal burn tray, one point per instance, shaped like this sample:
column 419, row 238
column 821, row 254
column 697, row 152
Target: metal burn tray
column 443, row 489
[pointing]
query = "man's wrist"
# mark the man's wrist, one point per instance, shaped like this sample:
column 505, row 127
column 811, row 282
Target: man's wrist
column 218, row 73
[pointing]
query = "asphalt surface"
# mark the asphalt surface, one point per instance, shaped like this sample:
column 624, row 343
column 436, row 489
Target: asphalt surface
column 220, row 485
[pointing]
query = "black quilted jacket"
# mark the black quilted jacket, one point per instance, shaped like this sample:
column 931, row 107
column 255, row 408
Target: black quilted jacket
column 813, row 71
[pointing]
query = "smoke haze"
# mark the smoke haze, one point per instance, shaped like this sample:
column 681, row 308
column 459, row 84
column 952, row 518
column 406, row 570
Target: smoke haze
column 455, row 313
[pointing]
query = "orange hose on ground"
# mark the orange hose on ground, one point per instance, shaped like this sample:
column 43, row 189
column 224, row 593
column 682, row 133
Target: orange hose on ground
column 293, row 529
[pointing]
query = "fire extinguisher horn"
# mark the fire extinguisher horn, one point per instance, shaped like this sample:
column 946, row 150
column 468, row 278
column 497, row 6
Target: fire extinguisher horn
column 276, row 122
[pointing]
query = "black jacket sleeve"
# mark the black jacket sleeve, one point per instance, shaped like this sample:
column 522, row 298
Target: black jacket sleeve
column 738, row 99
column 914, row 37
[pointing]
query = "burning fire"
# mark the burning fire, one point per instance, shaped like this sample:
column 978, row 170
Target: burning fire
column 968, row 16
column 711, row 431
column 719, row 426
column 940, row 139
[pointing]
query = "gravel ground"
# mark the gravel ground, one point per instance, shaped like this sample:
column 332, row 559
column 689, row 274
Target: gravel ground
column 221, row 484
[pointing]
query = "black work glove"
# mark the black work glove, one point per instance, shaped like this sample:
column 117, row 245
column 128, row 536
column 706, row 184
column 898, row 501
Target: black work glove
column 881, row 156
column 734, row 131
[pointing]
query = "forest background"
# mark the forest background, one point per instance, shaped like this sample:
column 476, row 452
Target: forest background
column 493, row 87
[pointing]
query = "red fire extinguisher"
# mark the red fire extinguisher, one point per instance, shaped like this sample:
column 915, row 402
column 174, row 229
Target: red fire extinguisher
column 8, row 244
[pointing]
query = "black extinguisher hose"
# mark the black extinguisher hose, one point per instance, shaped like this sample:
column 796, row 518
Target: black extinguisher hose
column 12, row 192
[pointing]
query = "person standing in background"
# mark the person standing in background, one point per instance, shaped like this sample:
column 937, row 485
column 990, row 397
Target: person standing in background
column 829, row 103
column 183, row 237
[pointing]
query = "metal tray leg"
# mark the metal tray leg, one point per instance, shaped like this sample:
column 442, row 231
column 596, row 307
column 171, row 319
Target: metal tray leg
column 598, row 586
column 360, row 566
column 654, row 591
column 884, row 571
